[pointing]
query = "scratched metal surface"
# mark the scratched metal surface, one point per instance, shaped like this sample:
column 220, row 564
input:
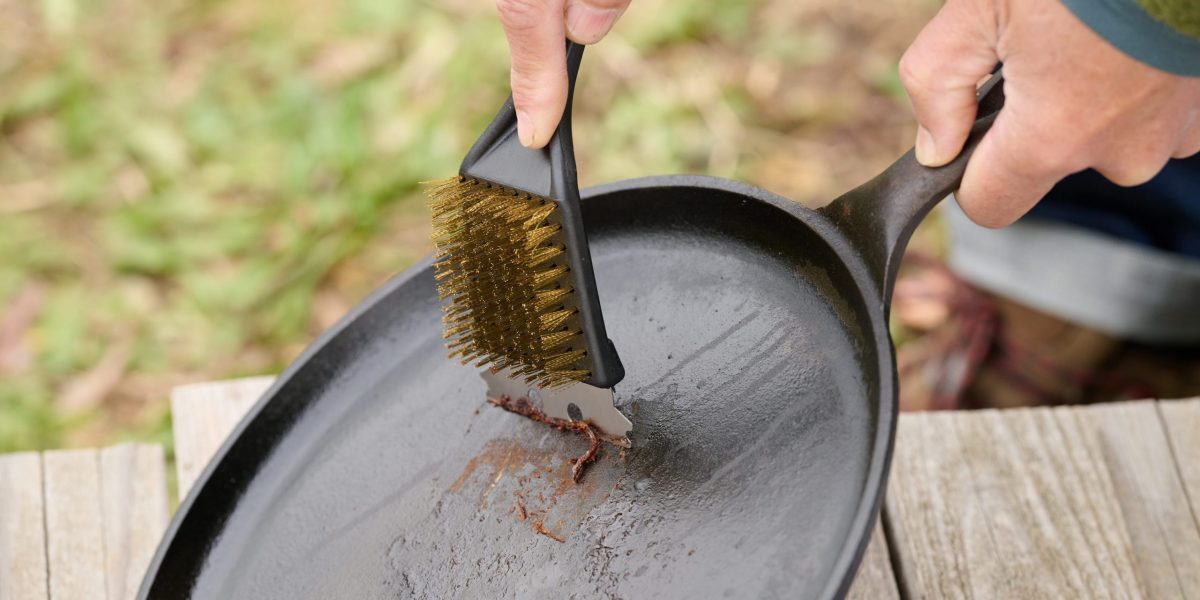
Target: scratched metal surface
column 377, row 470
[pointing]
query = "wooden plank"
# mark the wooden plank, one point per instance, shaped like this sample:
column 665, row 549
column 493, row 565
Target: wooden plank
column 1085, row 460
column 1182, row 421
column 1010, row 504
column 133, row 482
column 1153, row 501
column 22, row 528
column 74, row 531
column 875, row 580
column 202, row 416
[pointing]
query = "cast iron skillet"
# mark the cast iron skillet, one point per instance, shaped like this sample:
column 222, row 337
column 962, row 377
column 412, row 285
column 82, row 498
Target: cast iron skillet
column 761, row 382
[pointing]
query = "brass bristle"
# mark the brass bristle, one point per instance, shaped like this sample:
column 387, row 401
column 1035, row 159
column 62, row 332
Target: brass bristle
column 536, row 217
column 548, row 275
column 565, row 359
column 539, row 235
column 551, row 321
column 558, row 338
column 550, row 298
column 540, row 256
column 502, row 269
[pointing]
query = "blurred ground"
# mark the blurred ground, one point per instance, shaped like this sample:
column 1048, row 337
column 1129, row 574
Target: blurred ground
column 192, row 190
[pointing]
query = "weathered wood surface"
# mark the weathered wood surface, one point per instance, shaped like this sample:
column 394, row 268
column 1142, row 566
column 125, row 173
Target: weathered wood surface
column 133, row 502
column 1153, row 500
column 80, row 523
column 1081, row 502
column 1181, row 420
column 74, row 525
column 22, row 528
column 202, row 416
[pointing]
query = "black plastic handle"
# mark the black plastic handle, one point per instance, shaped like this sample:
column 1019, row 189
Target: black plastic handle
column 499, row 157
column 879, row 216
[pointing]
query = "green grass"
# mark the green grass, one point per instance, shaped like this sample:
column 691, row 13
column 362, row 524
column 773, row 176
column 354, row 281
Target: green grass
column 193, row 190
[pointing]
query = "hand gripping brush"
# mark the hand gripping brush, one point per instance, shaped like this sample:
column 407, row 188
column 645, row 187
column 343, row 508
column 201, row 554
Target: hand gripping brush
column 515, row 273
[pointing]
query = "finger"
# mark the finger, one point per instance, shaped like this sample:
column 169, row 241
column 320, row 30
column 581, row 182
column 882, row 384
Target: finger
column 1135, row 153
column 590, row 20
column 1189, row 147
column 1130, row 175
column 1129, row 170
column 536, row 34
column 1189, row 141
column 1013, row 167
column 940, row 70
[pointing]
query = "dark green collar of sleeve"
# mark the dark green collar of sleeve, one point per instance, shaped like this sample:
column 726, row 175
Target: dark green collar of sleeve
column 1137, row 30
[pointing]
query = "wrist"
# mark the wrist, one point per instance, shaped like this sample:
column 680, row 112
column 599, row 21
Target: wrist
column 1135, row 28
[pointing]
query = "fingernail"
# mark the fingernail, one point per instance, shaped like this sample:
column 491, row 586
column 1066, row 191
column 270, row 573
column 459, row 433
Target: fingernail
column 588, row 24
column 926, row 151
column 525, row 130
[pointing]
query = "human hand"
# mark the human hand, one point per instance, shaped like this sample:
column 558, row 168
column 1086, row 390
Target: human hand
column 536, row 31
column 1072, row 101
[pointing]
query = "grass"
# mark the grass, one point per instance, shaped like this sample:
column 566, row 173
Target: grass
column 193, row 190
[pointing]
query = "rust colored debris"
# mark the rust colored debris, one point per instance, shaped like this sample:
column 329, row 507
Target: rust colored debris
column 522, row 406
column 521, row 514
column 542, row 530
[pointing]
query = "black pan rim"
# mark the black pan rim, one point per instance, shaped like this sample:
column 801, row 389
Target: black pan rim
column 881, row 454
column 866, row 513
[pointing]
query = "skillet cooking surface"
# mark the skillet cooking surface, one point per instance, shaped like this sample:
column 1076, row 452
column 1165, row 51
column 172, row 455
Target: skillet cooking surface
column 375, row 469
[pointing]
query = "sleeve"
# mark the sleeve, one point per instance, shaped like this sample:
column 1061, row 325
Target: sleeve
column 1164, row 34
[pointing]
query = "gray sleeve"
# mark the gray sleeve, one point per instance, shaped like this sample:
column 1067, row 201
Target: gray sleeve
column 1129, row 26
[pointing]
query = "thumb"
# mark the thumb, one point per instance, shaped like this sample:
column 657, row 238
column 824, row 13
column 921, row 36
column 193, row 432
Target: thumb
column 535, row 33
column 940, row 71
column 590, row 20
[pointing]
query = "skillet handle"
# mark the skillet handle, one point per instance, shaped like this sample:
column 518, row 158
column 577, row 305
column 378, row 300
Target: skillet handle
column 879, row 216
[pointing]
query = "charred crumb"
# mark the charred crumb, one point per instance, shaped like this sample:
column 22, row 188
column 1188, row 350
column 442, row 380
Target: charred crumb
column 521, row 514
column 522, row 406
column 579, row 464
column 542, row 530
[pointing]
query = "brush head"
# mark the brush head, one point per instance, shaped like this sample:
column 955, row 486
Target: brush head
column 504, row 274
column 513, row 262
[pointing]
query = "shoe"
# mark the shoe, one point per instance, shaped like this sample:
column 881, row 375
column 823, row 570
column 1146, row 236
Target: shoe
column 962, row 347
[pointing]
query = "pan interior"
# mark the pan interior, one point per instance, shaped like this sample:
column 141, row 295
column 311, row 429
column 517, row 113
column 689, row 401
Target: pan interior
column 750, row 382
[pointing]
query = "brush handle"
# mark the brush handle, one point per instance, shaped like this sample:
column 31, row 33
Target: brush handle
column 606, row 366
column 879, row 216
column 564, row 176
column 499, row 157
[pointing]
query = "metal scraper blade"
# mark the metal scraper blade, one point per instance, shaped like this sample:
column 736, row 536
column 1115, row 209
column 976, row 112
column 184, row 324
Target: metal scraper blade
column 594, row 404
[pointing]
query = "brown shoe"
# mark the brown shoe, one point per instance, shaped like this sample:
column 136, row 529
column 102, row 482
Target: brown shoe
column 960, row 347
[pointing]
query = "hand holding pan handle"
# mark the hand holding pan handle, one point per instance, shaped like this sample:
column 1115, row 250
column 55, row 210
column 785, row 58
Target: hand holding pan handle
column 879, row 216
